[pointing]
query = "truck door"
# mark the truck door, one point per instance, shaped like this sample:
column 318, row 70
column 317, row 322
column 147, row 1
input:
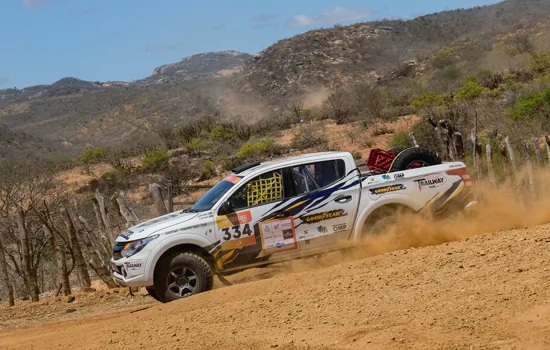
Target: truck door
column 248, row 233
column 331, row 196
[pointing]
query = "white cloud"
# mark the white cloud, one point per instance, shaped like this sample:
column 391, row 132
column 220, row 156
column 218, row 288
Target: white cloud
column 32, row 4
column 332, row 16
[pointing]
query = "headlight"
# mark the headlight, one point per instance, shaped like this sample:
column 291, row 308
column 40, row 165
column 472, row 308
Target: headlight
column 135, row 247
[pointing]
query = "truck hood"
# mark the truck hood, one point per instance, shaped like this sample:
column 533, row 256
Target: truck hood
column 149, row 227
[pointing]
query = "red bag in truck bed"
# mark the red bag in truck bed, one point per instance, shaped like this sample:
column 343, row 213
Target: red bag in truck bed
column 380, row 160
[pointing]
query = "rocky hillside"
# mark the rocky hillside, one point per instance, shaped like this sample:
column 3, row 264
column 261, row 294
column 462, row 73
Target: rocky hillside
column 20, row 144
column 365, row 51
column 212, row 64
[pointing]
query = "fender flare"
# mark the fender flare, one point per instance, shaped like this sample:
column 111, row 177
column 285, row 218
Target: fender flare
column 363, row 216
column 170, row 242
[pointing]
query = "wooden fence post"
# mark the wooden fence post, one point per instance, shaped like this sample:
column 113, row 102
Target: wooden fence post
column 511, row 155
column 155, row 191
column 490, row 167
column 537, row 150
column 547, row 140
column 170, row 197
column 126, row 210
column 529, row 166
column 105, row 217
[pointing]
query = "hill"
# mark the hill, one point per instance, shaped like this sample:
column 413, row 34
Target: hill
column 435, row 50
column 365, row 51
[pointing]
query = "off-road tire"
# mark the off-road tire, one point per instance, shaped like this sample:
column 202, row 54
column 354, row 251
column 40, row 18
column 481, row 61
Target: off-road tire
column 153, row 293
column 412, row 155
column 396, row 150
column 193, row 261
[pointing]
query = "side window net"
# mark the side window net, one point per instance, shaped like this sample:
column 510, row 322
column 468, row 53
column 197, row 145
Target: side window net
column 265, row 190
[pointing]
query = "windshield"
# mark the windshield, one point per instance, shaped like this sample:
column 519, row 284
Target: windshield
column 212, row 196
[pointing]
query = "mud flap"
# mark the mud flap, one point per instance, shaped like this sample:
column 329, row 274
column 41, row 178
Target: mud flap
column 223, row 279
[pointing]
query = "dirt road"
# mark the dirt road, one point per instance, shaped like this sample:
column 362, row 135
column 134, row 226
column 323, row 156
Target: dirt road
column 486, row 292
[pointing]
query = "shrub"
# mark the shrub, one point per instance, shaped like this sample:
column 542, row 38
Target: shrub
column 194, row 146
column 470, row 90
column 401, row 140
column 221, row 133
column 429, row 99
column 357, row 155
column 443, row 58
column 305, row 140
column 255, row 149
column 532, row 106
column 540, row 61
column 154, row 159
column 208, row 170
column 382, row 130
column 92, row 155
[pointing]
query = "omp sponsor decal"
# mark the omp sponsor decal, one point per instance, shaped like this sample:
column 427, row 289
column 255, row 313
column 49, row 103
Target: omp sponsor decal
column 431, row 181
column 327, row 215
column 387, row 189
column 399, row 175
column 339, row 227
column 243, row 217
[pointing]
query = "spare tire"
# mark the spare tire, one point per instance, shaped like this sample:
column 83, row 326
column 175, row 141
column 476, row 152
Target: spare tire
column 414, row 157
column 396, row 150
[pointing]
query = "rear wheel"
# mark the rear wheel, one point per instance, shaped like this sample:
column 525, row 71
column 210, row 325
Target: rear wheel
column 414, row 157
column 382, row 219
column 182, row 275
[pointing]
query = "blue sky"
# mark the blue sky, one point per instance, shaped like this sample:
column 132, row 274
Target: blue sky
column 43, row 41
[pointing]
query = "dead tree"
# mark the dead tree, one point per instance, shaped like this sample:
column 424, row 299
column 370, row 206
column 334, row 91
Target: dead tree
column 28, row 271
column 5, row 275
column 77, row 252
column 59, row 260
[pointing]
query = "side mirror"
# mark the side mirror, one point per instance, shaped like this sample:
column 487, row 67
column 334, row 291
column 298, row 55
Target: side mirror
column 226, row 208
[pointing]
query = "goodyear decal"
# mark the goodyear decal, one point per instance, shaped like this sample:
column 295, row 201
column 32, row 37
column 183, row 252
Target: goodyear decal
column 327, row 215
column 387, row 189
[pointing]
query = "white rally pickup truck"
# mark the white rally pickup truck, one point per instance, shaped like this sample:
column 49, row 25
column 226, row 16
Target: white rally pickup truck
column 264, row 213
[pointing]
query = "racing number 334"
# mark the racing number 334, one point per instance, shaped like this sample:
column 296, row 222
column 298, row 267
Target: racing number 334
column 236, row 232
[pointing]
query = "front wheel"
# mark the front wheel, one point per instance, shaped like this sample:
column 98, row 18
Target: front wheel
column 182, row 275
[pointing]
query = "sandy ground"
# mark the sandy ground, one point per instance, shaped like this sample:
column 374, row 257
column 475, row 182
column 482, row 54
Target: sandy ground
column 484, row 292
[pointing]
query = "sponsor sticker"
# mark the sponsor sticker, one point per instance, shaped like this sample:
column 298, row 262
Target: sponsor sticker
column 233, row 179
column 243, row 217
column 339, row 227
column 386, row 177
column 375, row 193
column 431, row 181
column 327, row 215
column 322, row 229
column 133, row 265
column 399, row 175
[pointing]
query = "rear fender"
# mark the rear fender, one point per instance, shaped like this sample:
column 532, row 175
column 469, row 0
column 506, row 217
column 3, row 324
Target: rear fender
column 398, row 199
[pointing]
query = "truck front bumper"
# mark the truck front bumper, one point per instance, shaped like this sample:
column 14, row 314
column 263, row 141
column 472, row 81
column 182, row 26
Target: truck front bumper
column 129, row 272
